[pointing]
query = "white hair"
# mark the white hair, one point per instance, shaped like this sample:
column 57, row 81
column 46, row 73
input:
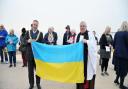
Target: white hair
column 124, row 26
column 83, row 23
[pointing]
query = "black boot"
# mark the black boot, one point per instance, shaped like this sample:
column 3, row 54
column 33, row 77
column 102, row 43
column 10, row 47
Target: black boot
column 123, row 87
column 116, row 80
column 38, row 86
column 122, row 83
column 31, row 87
column 10, row 65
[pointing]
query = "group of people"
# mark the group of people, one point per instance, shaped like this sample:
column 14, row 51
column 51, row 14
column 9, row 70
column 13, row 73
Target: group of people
column 120, row 55
column 8, row 46
column 50, row 38
column 9, row 41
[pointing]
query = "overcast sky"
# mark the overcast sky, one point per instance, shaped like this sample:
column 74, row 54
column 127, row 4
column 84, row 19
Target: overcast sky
column 58, row 13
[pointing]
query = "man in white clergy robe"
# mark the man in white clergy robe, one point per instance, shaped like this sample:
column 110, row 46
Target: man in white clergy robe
column 90, row 56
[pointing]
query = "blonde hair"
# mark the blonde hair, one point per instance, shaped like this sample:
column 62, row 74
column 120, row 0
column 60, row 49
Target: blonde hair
column 124, row 26
column 107, row 30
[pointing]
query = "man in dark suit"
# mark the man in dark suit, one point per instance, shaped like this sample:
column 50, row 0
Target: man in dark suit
column 33, row 35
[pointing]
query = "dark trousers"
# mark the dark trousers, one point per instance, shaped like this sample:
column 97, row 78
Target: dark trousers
column 79, row 86
column 100, row 61
column 24, row 58
column 104, row 64
column 1, row 54
column 123, row 70
column 31, row 67
column 12, row 57
column 87, row 85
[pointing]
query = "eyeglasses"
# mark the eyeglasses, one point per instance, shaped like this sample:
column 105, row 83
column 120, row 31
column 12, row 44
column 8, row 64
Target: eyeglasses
column 83, row 26
column 35, row 24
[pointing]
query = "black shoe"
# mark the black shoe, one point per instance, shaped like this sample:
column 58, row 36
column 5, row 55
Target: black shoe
column 38, row 86
column 116, row 82
column 10, row 66
column 2, row 61
column 23, row 65
column 123, row 87
column 14, row 65
column 102, row 74
column 31, row 87
column 106, row 73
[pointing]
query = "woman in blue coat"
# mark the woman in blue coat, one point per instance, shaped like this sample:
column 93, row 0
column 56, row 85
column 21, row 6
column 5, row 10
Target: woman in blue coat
column 120, row 46
column 3, row 34
column 11, row 41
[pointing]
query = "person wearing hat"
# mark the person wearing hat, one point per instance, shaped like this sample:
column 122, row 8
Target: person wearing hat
column 3, row 34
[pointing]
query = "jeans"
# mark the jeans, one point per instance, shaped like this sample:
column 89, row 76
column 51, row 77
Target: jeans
column 12, row 56
column 1, row 54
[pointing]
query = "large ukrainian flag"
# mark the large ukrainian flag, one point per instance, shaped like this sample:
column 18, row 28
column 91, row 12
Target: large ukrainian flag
column 59, row 63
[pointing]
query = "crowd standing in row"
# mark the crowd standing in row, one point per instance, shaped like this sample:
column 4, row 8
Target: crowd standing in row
column 8, row 42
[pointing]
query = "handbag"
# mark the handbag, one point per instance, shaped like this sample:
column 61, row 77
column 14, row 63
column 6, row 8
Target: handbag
column 22, row 48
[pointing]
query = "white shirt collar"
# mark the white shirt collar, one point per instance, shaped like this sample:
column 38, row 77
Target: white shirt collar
column 34, row 31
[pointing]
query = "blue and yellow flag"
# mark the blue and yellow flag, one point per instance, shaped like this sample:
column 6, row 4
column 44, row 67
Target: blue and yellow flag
column 59, row 63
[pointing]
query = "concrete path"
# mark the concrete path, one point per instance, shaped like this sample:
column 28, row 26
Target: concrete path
column 17, row 78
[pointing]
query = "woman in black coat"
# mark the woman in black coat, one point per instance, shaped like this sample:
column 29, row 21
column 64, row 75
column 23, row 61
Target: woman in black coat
column 105, row 50
column 120, row 46
column 67, row 35
column 51, row 37
column 22, row 47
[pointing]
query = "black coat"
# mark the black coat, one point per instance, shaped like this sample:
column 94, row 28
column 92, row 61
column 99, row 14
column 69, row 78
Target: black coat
column 103, row 41
column 66, row 37
column 55, row 37
column 120, row 44
column 29, row 53
column 22, row 43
